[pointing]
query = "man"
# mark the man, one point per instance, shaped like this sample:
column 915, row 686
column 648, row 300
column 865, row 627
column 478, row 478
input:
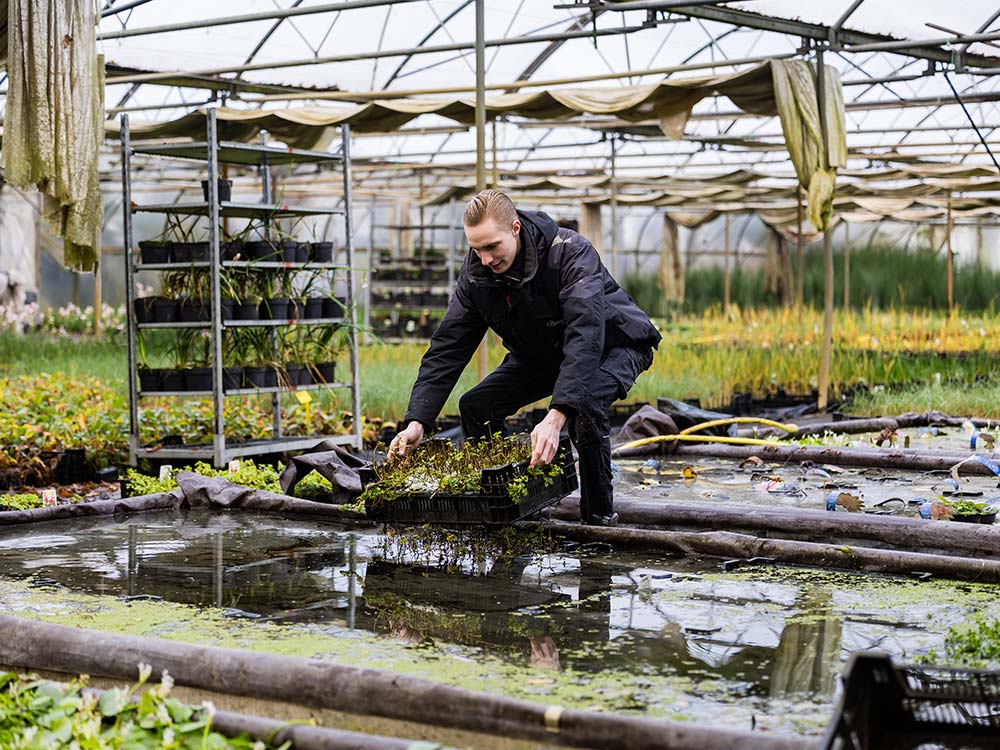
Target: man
column 570, row 330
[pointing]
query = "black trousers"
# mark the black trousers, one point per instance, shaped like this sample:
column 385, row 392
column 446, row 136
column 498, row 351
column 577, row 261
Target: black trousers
column 518, row 382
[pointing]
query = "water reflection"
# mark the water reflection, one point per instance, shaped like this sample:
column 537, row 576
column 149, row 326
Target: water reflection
column 587, row 609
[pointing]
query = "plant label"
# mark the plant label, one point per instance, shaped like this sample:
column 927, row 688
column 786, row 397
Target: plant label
column 234, row 466
column 48, row 497
column 303, row 397
column 165, row 472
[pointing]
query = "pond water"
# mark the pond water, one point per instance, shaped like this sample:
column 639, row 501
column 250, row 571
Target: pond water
column 587, row 626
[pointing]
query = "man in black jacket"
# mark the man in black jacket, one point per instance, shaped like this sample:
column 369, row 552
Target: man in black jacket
column 570, row 330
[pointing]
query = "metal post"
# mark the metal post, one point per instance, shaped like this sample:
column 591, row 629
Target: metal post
column 824, row 364
column 352, row 306
column 131, row 329
column 482, row 356
column 847, row 266
column 614, row 211
column 267, row 197
column 494, row 180
column 979, row 243
column 726, row 291
column 950, row 259
column 97, row 289
column 372, row 265
column 215, row 266
column 453, row 245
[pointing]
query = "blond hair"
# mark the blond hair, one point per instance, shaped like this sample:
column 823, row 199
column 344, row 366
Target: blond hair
column 489, row 204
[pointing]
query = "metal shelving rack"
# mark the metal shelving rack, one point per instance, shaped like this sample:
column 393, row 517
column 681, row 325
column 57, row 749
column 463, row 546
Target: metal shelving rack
column 213, row 152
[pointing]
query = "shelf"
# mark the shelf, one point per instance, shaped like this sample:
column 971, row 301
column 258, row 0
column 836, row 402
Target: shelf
column 241, row 391
column 238, row 210
column 245, row 323
column 249, row 264
column 232, row 152
column 250, row 448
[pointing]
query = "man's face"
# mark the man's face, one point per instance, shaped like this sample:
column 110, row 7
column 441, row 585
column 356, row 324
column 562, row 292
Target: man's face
column 495, row 244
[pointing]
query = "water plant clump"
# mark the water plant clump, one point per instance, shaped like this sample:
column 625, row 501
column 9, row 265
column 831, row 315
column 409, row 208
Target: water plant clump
column 40, row 714
column 248, row 474
column 438, row 466
column 22, row 501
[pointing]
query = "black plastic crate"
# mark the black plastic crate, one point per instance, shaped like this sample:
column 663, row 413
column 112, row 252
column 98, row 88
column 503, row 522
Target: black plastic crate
column 889, row 707
column 491, row 505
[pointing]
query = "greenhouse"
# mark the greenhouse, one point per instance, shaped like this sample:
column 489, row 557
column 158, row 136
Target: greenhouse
column 410, row 374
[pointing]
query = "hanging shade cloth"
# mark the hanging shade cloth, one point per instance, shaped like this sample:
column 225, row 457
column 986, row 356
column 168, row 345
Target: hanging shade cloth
column 53, row 124
column 795, row 92
column 668, row 102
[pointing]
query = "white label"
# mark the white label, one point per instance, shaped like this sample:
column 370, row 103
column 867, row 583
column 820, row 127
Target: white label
column 234, row 466
column 165, row 471
column 48, row 497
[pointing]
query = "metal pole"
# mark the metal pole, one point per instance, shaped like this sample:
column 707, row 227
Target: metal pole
column 614, row 210
column 250, row 17
column 132, row 331
column 494, row 179
column 725, row 272
column 453, row 240
column 950, row 260
column 372, row 265
column 800, row 286
column 352, row 302
column 98, row 301
column 824, row 364
column 847, row 266
column 482, row 356
column 218, row 399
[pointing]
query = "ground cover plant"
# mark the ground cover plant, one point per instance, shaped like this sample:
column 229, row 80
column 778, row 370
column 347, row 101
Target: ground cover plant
column 40, row 715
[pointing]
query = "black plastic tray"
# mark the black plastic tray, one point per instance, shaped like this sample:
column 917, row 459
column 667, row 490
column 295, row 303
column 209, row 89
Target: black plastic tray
column 491, row 505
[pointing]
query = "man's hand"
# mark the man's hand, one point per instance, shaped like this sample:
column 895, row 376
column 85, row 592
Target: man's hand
column 545, row 438
column 406, row 440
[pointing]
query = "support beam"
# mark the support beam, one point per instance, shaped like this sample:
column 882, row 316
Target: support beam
column 826, row 353
column 950, row 262
column 847, row 266
column 482, row 356
column 726, row 299
column 800, row 284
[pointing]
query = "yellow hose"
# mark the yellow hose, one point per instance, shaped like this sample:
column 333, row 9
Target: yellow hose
column 695, row 439
column 740, row 420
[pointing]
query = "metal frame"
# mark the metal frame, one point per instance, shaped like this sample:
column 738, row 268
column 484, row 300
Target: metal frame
column 221, row 452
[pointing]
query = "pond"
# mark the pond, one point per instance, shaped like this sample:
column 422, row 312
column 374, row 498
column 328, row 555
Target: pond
column 518, row 613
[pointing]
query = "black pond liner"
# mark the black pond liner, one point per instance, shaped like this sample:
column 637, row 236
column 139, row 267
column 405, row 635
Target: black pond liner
column 491, row 505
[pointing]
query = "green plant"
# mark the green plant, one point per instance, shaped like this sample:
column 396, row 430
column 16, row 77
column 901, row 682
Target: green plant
column 36, row 714
column 22, row 501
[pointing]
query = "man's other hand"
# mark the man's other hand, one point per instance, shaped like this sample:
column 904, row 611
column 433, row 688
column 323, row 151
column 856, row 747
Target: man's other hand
column 407, row 440
column 545, row 438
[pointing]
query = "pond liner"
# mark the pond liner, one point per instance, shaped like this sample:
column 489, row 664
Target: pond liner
column 140, row 504
column 31, row 644
column 730, row 546
column 904, row 533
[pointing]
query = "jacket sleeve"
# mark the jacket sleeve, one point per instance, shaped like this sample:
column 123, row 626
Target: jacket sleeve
column 452, row 346
column 581, row 294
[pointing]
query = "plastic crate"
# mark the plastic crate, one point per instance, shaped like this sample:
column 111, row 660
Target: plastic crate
column 891, row 707
column 491, row 505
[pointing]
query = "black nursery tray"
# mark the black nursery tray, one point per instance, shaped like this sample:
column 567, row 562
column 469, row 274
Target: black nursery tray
column 491, row 505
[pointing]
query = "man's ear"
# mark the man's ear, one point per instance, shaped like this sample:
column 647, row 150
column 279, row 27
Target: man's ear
column 516, row 226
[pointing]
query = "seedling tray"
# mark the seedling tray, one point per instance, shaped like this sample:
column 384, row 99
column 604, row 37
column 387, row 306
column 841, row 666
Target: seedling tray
column 491, row 505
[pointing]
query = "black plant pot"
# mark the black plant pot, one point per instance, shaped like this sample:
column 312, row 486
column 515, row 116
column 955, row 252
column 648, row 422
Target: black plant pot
column 149, row 380
column 275, row 308
column 246, row 311
column 254, row 377
column 321, row 252
column 260, row 250
column 225, row 190
column 144, row 309
column 228, row 309
column 232, row 250
column 305, row 375
column 323, row 372
column 296, row 309
column 156, row 252
column 232, row 378
column 333, row 307
column 294, row 372
column 198, row 379
column 270, row 377
column 166, row 310
column 302, row 253
column 288, row 251
column 313, row 308
column 172, row 380
column 196, row 310
column 191, row 252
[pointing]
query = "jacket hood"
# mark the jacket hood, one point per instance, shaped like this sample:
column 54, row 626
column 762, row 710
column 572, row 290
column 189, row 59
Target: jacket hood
column 537, row 232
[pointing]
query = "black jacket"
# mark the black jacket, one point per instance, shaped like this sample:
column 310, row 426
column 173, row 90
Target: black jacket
column 566, row 307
